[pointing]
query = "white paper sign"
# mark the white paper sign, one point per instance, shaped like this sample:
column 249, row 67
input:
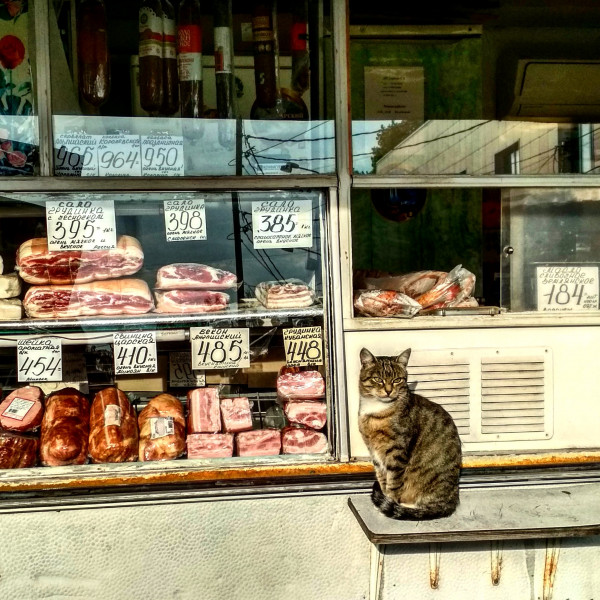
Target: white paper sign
column 81, row 225
column 119, row 156
column 185, row 220
column 181, row 373
column 395, row 93
column 162, row 156
column 18, row 408
column 135, row 352
column 282, row 224
column 567, row 288
column 220, row 348
column 303, row 346
column 75, row 155
column 39, row 360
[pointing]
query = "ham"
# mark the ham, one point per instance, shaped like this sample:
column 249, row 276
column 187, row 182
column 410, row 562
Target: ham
column 259, row 442
column 301, row 385
column 298, row 440
column 385, row 303
column 310, row 414
column 290, row 293
column 455, row 287
column 162, row 429
column 204, row 412
column 209, row 445
column 196, row 276
column 190, row 301
column 38, row 265
column 113, row 297
column 22, row 409
column 236, row 414
column 17, row 451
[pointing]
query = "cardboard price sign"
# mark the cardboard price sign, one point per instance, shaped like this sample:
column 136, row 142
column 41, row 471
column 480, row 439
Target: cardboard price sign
column 39, row 360
column 303, row 346
column 567, row 288
column 220, row 348
column 181, row 373
column 185, row 220
column 135, row 352
column 282, row 224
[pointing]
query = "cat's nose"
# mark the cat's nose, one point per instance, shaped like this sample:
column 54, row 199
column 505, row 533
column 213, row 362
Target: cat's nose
column 388, row 389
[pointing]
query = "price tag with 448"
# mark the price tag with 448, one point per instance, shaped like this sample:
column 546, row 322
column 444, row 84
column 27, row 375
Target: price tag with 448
column 303, row 346
column 39, row 360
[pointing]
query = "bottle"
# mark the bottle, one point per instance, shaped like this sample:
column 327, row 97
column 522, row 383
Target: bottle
column 170, row 103
column 92, row 52
column 189, row 58
column 224, row 76
column 150, row 53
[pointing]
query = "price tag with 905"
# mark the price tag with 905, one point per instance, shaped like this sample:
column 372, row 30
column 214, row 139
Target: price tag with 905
column 567, row 288
column 39, row 359
column 119, row 156
column 181, row 373
column 75, row 155
column 135, row 352
column 162, row 155
column 185, row 220
column 220, row 348
column 303, row 346
column 282, row 224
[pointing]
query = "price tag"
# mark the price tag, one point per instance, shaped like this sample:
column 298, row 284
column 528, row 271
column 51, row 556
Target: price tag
column 185, row 220
column 162, row 155
column 567, row 288
column 303, row 346
column 135, row 352
column 220, row 348
column 282, row 224
column 181, row 373
column 119, row 156
column 39, row 360
column 75, row 155
column 74, row 374
column 81, row 225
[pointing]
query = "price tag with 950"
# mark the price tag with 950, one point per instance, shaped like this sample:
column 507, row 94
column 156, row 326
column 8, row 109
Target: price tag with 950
column 135, row 352
column 39, row 359
column 162, row 156
column 303, row 346
column 220, row 348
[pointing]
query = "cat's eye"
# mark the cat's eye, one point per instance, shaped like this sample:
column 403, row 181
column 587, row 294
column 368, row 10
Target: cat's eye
column 399, row 379
column 377, row 380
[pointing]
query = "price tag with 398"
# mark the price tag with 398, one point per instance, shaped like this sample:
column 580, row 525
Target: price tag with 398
column 39, row 360
column 220, row 348
column 185, row 220
column 135, row 352
column 303, row 346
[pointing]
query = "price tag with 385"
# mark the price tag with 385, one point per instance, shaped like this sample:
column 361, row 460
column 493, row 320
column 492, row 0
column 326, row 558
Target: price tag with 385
column 303, row 346
column 220, row 348
column 39, row 360
column 135, row 352
column 185, row 220
column 282, row 224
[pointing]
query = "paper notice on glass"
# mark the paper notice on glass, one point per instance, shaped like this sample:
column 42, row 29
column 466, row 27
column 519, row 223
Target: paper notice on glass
column 395, row 93
column 282, row 224
column 567, row 288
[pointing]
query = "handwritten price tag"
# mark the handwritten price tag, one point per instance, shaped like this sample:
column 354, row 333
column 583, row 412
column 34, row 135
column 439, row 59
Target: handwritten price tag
column 135, row 352
column 567, row 288
column 220, row 348
column 81, row 225
column 162, row 156
column 303, row 346
column 181, row 373
column 75, row 155
column 185, row 220
column 119, row 156
column 39, row 360
column 282, row 224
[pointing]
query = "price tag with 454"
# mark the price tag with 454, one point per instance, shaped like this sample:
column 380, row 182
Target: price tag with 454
column 39, row 359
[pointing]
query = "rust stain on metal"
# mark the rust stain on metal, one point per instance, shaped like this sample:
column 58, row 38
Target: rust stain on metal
column 435, row 554
column 550, row 567
column 531, row 460
column 496, row 561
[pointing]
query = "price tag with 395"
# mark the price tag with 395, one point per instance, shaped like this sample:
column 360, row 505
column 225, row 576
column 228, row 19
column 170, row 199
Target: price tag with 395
column 162, row 155
column 135, row 352
column 220, row 348
column 39, row 359
column 303, row 346
column 185, row 220
column 282, row 224
column 119, row 156
column 181, row 373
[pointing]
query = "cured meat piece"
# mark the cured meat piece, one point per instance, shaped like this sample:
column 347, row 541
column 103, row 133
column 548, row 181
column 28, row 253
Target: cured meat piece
column 209, row 445
column 288, row 293
column 190, row 301
column 412, row 284
column 113, row 297
column 385, row 303
column 301, row 385
column 298, row 440
column 204, row 412
column 162, row 429
column 17, row 451
column 10, row 285
column 65, row 429
column 236, row 414
column 36, row 264
column 259, row 442
column 11, row 309
column 195, row 276
column 113, row 428
column 310, row 414
column 22, row 409
column 450, row 291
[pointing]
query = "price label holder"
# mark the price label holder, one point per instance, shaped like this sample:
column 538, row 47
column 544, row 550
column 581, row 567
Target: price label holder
column 75, row 154
column 39, row 359
column 181, row 373
column 567, row 288
column 303, row 346
column 282, row 224
column 185, row 220
column 81, row 225
column 135, row 352
column 220, row 348
column 162, row 156
column 119, row 156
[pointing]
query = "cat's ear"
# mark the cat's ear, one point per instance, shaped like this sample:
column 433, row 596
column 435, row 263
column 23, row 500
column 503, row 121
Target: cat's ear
column 366, row 357
column 402, row 359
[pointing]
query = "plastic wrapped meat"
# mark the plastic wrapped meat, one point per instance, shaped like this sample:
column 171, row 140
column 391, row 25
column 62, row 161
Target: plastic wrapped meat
column 259, row 442
column 178, row 276
column 310, row 414
column 453, row 289
column 209, row 445
column 204, row 412
column 298, row 440
column 288, row 293
column 236, row 415
column 17, row 451
column 162, row 429
column 23, row 409
column 302, row 385
column 190, row 301
column 385, row 303
column 412, row 284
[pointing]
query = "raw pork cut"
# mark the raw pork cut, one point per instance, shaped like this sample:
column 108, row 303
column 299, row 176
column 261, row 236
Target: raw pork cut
column 190, row 301
column 301, row 385
column 310, row 414
column 36, row 264
column 17, row 451
column 289, row 293
column 450, row 291
column 22, row 409
column 162, row 429
column 412, row 284
column 179, row 276
column 236, row 414
column 385, row 303
column 259, row 442
column 113, row 297
column 298, row 440
column 209, row 445
column 204, row 412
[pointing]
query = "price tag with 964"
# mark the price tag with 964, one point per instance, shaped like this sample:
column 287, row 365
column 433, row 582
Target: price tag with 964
column 220, row 348
column 39, row 359
column 303, row 346
column 181, row 373
column 119, row 156
column 185, row 220
column 282, row 224
column 135, row 352
column 567, row 288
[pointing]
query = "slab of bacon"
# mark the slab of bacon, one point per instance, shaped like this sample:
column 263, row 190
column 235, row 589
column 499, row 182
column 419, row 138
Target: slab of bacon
column 289, row 293
column 190, row 301
column 259, row 442
column 298, row 440
column 194, row 276
column 204, row 412
column 18, row 451
column 310, row 414
column 236, row 415
column 301, row 385
column 209, row 445
column 112, row 297
column 36, row 264
column 385, row 303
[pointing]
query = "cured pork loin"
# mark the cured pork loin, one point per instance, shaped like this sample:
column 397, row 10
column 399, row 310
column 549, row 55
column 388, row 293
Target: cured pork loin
column 113, row 428
column 38, row 265
column 236, row 415
column 162, row 429
column 190, row 301
column 309, row 414
column 298, row 440
column 113, row 297
column 209, row 445
column 204, row 412
column 65, row 429
column 23, row 409
column 294, row 384
column 259, row 442
column 17, row 451
column 453, row 289
column 290, row 293
column 385, row 303
column 195, row 276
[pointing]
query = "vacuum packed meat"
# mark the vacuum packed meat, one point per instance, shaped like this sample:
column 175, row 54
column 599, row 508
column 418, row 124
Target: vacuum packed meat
column 162, row 429
column 258, row 442
column 195, row 276
column 23, row 409
column 385, row 303
column 455, row 287
column 17, row 451
column 290, row 293
column 209, row 445
column 190, row 301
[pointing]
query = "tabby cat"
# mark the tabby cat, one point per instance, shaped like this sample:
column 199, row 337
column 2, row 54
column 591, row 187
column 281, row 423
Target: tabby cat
column 413, row 442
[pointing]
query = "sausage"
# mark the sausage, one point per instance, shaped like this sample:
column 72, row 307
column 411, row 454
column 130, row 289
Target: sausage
column 22, row 409
column 17, row 451
column 170, row 79
column 113, row 428
column 162, row 429
column 65, row 429
column 224, row 79
column 189, row 57
column 150, row 55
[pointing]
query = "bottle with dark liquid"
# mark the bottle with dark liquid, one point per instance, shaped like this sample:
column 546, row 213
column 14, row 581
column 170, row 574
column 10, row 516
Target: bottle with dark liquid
column 189, row 58
column 151, row 55
column 224, row 75
column 170, row 103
